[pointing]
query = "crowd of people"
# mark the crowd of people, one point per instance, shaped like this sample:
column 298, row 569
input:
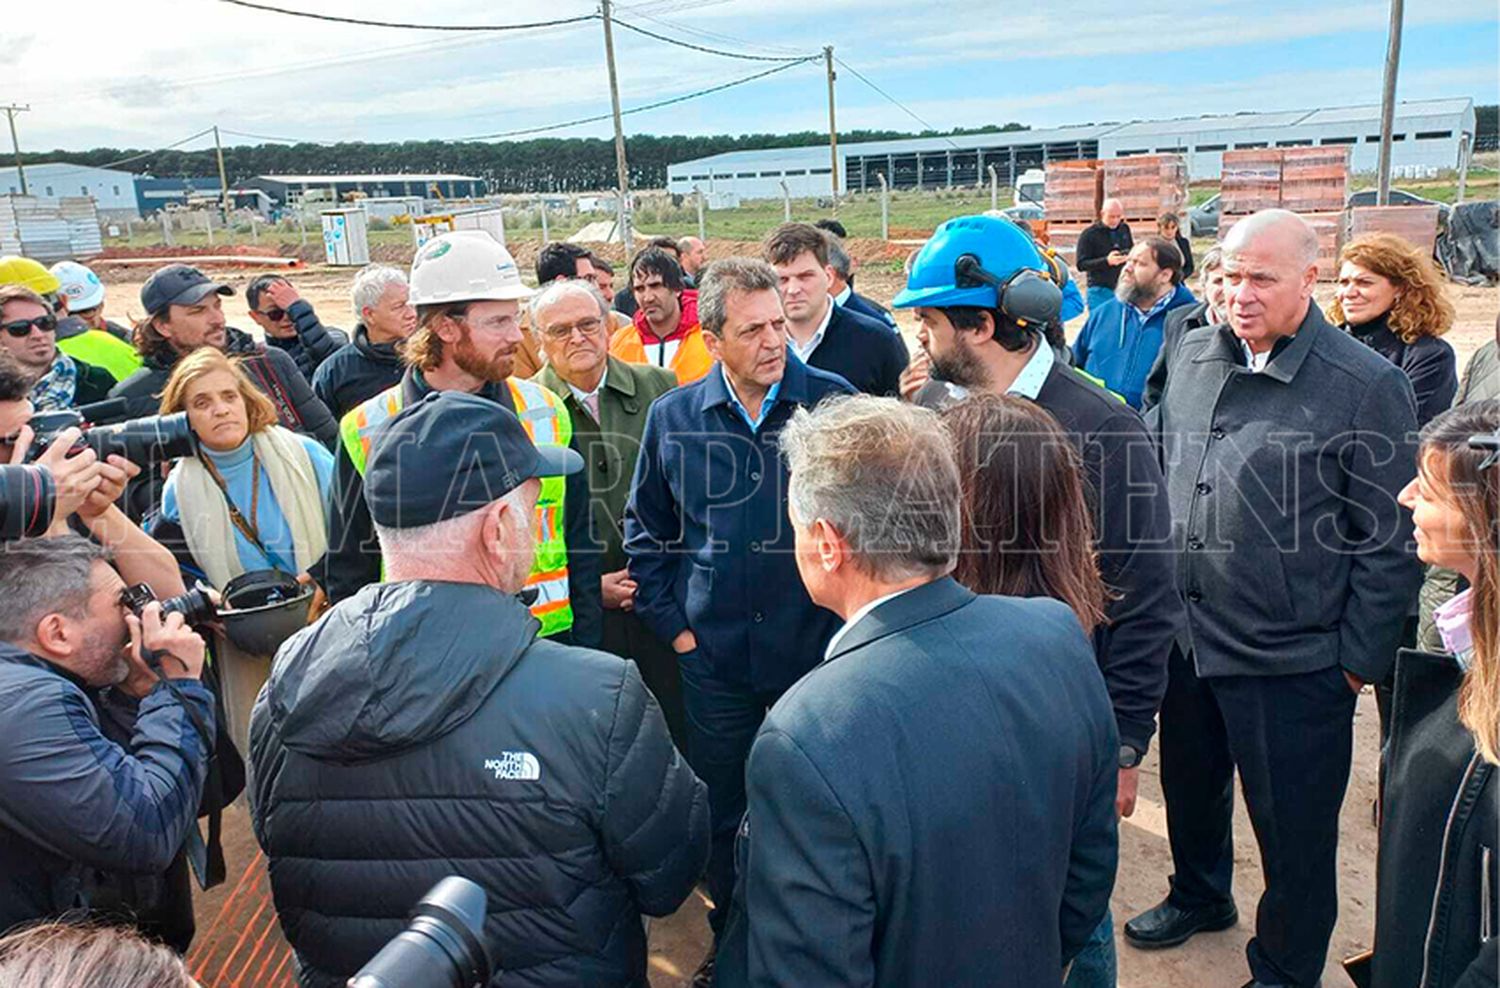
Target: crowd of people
column 709, row 581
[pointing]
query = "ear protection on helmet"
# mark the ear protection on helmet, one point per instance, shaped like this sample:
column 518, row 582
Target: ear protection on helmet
column 1027, row 296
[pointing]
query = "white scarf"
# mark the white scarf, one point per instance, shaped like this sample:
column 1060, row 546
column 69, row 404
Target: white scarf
column 204, row 509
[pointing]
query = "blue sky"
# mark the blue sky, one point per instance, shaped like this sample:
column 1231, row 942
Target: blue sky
column 150, row 72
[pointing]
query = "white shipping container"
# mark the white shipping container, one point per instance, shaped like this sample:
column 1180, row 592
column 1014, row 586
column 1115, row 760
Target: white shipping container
column 49, row 229
column 346, row 239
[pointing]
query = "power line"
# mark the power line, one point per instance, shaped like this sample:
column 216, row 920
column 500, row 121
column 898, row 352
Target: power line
column 331, row 18
column 642, row 109
column 711, row 35
column 900, row 105
column 136, row 157
column 711, row 51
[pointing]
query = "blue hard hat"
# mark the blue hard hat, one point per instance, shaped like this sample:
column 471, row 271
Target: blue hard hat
column 1001, row 250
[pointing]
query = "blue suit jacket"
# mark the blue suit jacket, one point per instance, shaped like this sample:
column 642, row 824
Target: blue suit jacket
column 932, row 805
column 708, row 539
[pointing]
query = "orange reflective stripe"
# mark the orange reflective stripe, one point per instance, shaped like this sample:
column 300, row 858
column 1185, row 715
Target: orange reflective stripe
column 538, row 610
column 557, row 574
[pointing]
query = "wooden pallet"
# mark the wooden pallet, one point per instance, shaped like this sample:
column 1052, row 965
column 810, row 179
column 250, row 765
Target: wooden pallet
column 1147, row 185
column 1074, row 191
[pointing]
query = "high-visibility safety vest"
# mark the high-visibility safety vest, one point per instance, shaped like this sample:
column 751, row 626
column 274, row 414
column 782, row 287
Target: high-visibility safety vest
column 97, row 348
column 547, row 422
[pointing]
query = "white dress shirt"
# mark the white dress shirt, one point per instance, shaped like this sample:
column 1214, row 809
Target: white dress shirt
column 858, row 615
column 805, row 350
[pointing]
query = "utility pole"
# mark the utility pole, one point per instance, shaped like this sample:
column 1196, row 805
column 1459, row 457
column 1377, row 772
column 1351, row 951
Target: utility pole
column 223, row 181
column 10, row 113
column 833, row 131
column 1388, row 104
column 614, row 102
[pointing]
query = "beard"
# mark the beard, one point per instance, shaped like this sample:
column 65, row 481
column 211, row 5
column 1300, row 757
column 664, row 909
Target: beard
column 493, row 369
column 1131, row 292
column 105, row 658
column 960, row 366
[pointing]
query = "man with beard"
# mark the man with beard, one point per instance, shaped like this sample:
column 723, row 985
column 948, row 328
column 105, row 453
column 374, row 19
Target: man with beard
column 1209, row 311
column 981, row 330
column 467, row 292
column 665, row 332
column 58, row 381
column 1122, row 337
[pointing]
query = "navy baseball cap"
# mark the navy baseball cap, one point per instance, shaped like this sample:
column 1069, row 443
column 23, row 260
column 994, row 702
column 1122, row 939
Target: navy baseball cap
column 178, row 284
column 452, row 453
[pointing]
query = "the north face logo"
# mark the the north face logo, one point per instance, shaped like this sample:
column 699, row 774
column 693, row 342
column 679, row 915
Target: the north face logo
column 515, row 765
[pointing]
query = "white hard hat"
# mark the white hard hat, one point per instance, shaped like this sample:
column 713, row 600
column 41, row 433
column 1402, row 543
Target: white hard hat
column 465, row 266
column 82, row 287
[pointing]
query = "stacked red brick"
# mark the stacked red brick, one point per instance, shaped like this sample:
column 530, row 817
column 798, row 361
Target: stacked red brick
column 1311, row 181
column 1073, row 193
column 1147, row 185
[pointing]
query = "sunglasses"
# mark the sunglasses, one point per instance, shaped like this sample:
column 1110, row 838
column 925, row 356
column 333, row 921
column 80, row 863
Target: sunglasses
column 22, row 327
column 275, row 315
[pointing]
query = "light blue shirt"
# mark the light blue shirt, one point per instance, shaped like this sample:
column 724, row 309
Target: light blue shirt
column 765, row 405
column 236, row 468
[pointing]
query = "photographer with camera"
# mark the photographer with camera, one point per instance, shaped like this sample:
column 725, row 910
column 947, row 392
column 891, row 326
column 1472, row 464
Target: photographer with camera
column 92, row 824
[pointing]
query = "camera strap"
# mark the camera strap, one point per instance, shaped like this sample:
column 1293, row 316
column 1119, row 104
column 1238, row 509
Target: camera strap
column 205, row 857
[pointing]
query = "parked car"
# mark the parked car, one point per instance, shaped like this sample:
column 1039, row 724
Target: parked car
column 1203, row 219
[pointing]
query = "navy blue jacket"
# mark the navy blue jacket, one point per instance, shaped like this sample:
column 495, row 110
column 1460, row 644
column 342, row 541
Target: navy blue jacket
column 396, row 743
column 1117, row 348
column 73, row 803
column 866, row 306
column 356, row 372
column 932, row 805
column 314, row 342
column 1428, row 363
column 861, row 350
column 708, row 538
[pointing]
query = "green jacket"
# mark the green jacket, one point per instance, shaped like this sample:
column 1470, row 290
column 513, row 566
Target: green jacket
column 610, row 447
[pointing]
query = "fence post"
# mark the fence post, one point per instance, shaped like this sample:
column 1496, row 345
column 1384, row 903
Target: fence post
column 885, row 207
column 301, row 227
column 702, row 226
column 994, row 188
column 546, row 237
column 786, row 202
column 166, row 228
column 208, row 228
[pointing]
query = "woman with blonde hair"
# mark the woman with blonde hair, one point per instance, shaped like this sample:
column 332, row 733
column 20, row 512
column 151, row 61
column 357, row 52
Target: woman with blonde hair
column 254, row 497
column 1391, row 298
column 1437, row 906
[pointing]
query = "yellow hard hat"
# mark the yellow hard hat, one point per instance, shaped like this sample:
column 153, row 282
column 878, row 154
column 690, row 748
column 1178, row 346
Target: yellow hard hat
column 16, row 270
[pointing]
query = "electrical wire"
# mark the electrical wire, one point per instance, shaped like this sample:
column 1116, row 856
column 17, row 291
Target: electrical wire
column 642, row 109
column 334, row 19
column 711, row 51
column 135, row 157
column 714, row 36
column 900, row 105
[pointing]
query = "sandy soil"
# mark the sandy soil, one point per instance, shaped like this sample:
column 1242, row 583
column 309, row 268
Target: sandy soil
column 679, row 942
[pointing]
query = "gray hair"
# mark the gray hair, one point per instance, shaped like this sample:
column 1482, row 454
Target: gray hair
column 722, row 278
column 439, row 541
column 838, row 257
column 883, row 474
column 1212, row 260
column 370, row 285
column 570, row 288
column 44, row 576
column 1268, row 220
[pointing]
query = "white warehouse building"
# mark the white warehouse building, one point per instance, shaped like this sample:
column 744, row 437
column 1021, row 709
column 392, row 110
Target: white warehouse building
column 1428, row 134
column 113, row 191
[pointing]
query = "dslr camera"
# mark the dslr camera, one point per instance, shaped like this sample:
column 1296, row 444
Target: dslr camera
column 143, row 441
column 195, row 606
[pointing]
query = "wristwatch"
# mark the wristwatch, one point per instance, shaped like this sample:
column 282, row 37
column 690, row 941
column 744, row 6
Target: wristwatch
column 1130, row 756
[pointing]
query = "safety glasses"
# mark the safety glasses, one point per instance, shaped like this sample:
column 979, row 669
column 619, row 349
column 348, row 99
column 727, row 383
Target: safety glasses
column 21, row 328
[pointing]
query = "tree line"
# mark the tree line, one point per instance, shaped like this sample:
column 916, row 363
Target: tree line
column 544, row 164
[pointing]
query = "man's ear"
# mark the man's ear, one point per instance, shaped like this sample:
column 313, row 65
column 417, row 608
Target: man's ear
column 492, row 527
column 985, row 331
column 833, row 551
column 712, row 343
column 53, row 636
column 447, row 329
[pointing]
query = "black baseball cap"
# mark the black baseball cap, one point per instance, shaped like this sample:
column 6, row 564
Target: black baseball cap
column 452, row 453
column 178, row 284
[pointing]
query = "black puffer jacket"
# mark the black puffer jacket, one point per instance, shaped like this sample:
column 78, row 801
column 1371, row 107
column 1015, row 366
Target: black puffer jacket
column 358, row 371
column 1429, row 363
column 421, row 730
column 314, row 342
column 1438, row 873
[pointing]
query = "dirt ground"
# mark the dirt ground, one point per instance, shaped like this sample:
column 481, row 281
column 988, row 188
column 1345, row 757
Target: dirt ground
column 238, row 942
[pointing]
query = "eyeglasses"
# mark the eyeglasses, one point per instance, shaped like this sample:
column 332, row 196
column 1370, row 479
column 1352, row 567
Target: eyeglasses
column 21, row 328
column 588, row 327
column 275, row 315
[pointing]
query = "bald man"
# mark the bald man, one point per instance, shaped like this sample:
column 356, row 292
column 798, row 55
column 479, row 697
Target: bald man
column 1285, row 443
column 693, row 254
column 1103, row 250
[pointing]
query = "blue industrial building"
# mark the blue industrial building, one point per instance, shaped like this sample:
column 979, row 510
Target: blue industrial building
column 154, row 194
column 290, row 189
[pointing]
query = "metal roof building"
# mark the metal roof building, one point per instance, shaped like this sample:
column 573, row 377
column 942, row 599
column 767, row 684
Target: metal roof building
column 290, row 188
column 1428, row 134
column 113, row 191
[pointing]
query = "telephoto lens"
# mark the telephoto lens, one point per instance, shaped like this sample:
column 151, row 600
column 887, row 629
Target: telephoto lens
column 442, row 947
column 146, row 441
column 27, row 500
